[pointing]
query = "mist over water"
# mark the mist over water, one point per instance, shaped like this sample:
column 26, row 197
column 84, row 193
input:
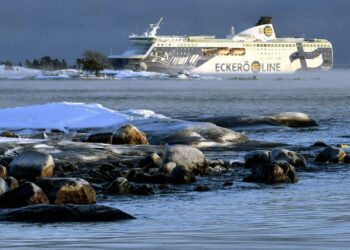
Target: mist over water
column 311, row 214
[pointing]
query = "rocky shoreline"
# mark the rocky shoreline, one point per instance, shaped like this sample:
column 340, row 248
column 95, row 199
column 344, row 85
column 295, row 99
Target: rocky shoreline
column 59, row 177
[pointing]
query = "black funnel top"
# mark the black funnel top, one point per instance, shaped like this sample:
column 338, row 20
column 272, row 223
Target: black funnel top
column 264, row 20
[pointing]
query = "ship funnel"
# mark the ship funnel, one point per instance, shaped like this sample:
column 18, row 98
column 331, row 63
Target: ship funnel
column 264, row 20
column 262, row 31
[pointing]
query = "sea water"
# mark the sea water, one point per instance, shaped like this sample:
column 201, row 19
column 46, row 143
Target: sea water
column 311, row 214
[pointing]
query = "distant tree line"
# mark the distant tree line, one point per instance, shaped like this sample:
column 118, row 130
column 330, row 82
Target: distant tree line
column 46, row 62
column 91, row 61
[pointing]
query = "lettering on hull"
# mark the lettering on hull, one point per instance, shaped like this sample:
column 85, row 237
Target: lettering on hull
column 245, row 67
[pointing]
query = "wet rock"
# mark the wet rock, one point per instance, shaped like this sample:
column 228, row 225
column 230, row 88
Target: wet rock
column 217, row 170
column 320, row 144
column 129, row 134
column 133, row 173
column 106, row 167
column 228, row 183
column 12, row 182
column 120, row 185
column 3, row 172
column 67, row 190
column 292, row 120
column 331, row 154
column 291, row 157
column 347, row 159
column 151, row 161
column 31, row 164
column 101, row 138
column 343, row 145
column 168, row 167
column 3, row 186
column 186, row 156
column 64, row 213
column 147, row 178
column 143, row 190
column 24, row 195
column 201, row 188
column 199, row 135
column 259, row 157
column 282, row 172
column 9, row 134
column 181, row 175
column 70, row 167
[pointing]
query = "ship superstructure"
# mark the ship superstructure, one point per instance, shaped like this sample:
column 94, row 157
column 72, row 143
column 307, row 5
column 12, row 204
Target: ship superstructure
column 254, row 50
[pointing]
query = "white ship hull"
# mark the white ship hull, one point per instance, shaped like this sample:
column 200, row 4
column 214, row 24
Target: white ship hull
column 255, row 50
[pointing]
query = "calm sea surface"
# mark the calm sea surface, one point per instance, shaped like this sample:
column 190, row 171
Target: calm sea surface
column 311, row 214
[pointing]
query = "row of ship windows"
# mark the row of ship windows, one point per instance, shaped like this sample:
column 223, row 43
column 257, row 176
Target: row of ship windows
column 275, row 45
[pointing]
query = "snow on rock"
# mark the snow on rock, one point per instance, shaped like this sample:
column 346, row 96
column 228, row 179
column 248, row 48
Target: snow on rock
column 133, row 74
column 62, row 116
column 73, row 116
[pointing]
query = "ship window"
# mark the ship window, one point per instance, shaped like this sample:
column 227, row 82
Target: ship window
column 223, row 51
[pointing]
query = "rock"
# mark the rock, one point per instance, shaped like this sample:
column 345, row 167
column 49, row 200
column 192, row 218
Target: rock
column 292, row 120
column 168, row 167
column 120, row 185
column 151, row 161
column 101, row 138
column 106, row 167
column 143, row 190
column 31, row 164
column 64, row 213
column 12, row 182
column 181, row 175
column 3, row 172
column 347, row 159
column 24, row 195
column 320, row 144
column 202, row 188
column 3, row 186
column 228, row 183
column 291, row 157
column 129, row 134
column 67, row 190
column 343, row 145
column 282, row 172
column 9, row 134
column 70, row 167
column 217, row 170
column 258, row 157
column 331, row 154
column 147, row 178
column 186, row 156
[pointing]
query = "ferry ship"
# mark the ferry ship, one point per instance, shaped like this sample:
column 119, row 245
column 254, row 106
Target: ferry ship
column 254, row 50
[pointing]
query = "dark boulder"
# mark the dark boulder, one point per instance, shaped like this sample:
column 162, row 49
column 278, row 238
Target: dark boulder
column 273, row 173
column 201, row 188
column 181, row 175
column 64, row 213
column 67, row 190
column 143, row 190
column 120, row 185
column 12, row 182
column 258, row 157
column 101, row 138
column 31, row 164
column 291, row 157
column 332, row 155
column 320, row 144
column 24, row 195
